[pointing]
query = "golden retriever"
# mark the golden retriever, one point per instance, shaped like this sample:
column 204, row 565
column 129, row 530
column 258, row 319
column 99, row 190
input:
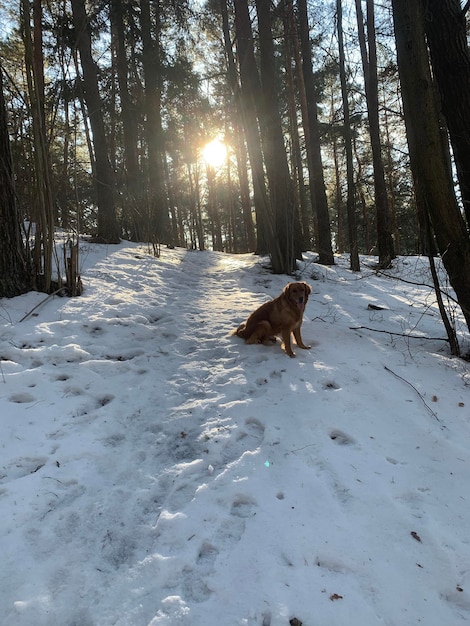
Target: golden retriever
column 281, row 316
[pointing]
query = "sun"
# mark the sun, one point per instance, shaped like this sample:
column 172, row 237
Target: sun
column 214, row 153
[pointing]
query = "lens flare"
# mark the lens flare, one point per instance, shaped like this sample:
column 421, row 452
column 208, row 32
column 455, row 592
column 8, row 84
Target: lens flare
column 214, row 153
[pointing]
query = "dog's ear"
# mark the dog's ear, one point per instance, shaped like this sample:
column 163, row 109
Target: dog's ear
column 286, row 289
column 308, row 289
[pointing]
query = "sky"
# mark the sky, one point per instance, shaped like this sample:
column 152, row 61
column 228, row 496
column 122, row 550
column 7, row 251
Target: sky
column 156, row 470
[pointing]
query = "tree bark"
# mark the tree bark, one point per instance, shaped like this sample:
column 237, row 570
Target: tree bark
column 239, row 145
column 250, row 89
column 133, row 182
column 428, row 154
column 369, row 64
column 292, row 58
column 44, row 233
column 15, row 276
column 312, row 134
column 446, row 30
column 108, row 229
column 284, row 248
column 347, row 136
column 159, row 222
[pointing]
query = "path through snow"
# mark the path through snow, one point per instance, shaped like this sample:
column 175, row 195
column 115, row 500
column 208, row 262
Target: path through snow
column 157, row 471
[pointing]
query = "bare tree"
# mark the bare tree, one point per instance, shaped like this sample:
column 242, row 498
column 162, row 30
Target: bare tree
column 15, row 277
column 249, row 90
column 133, row 192
column 447, row 35
column 347, row 136
column 44, row 234
column 369, row 64
column 239, row 147
column 108, row 228
column 428, row 154
column 159, row 225
column 283, row 247
column 312, row 135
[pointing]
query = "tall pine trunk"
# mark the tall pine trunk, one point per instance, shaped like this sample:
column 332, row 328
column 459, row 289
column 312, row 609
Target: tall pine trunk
column 312, row 135
column 446, row 30
column 108, row 228
column 283, row 247
column 347, row 137
column 428, row 154
column 249, row 91
column 133, row 182
column 44, row 234
column 369, row 64
column 239, row 144
column 292, row 59
column 15, row 277
column 159, row 221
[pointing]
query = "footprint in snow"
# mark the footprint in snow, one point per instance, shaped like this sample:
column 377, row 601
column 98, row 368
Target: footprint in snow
column 207, row 554
column 194, row 587
column 341, row 438
column 330, row 385
column 230, row 531
column 21, row 467
column 254, row 427
column 21, row 398
column 243, row 506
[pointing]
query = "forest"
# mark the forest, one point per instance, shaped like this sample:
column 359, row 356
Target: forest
column 276, row 128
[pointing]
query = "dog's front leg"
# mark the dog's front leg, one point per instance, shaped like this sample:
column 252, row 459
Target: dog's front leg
column 287, row 344
column 298, row 339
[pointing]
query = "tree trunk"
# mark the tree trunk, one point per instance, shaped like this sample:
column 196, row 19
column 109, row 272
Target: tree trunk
column 249, row 92
column 284, row 248
column 446, row 30
column 239, row 145
column 369, row 64
column 159, row 222
column 44, row 234
column 133, row 183
column 297, row 164
column 108, row 228
column 347, row 136
column 15, row 277
column 428, row 154
column 312, row 135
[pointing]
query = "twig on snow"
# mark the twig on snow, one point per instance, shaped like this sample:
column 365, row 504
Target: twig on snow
column 414, row 389
column 54, row 293
column 389, row 332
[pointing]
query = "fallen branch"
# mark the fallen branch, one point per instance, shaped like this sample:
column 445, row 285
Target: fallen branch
column 417, row 284
column 389, row 332
column 414, row 389
column 54, row 293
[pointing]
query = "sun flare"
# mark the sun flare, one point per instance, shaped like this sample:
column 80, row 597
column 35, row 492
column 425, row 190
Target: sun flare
column 214, row 153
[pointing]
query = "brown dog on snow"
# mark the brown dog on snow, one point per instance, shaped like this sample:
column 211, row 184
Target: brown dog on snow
column 281, row 316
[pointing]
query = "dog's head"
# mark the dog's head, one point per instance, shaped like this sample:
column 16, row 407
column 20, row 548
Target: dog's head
column 297, row 294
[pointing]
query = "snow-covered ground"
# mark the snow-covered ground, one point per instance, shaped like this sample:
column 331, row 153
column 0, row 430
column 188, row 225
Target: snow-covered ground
column 155, row 470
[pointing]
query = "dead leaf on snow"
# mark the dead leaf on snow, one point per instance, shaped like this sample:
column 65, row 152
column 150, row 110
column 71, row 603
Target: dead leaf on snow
column 335, row 596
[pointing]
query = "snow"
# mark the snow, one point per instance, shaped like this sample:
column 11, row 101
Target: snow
column 157, row 471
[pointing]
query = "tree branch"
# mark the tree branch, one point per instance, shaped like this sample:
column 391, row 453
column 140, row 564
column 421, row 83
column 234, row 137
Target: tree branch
column 412, row 282
column 389, row 332
column 54, row 293
column 414, row 389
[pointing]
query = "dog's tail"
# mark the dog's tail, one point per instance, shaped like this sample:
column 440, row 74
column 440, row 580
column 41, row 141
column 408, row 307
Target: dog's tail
column 240, row 331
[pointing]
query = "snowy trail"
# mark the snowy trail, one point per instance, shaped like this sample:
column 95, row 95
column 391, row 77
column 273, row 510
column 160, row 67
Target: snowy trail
column 160, row 472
